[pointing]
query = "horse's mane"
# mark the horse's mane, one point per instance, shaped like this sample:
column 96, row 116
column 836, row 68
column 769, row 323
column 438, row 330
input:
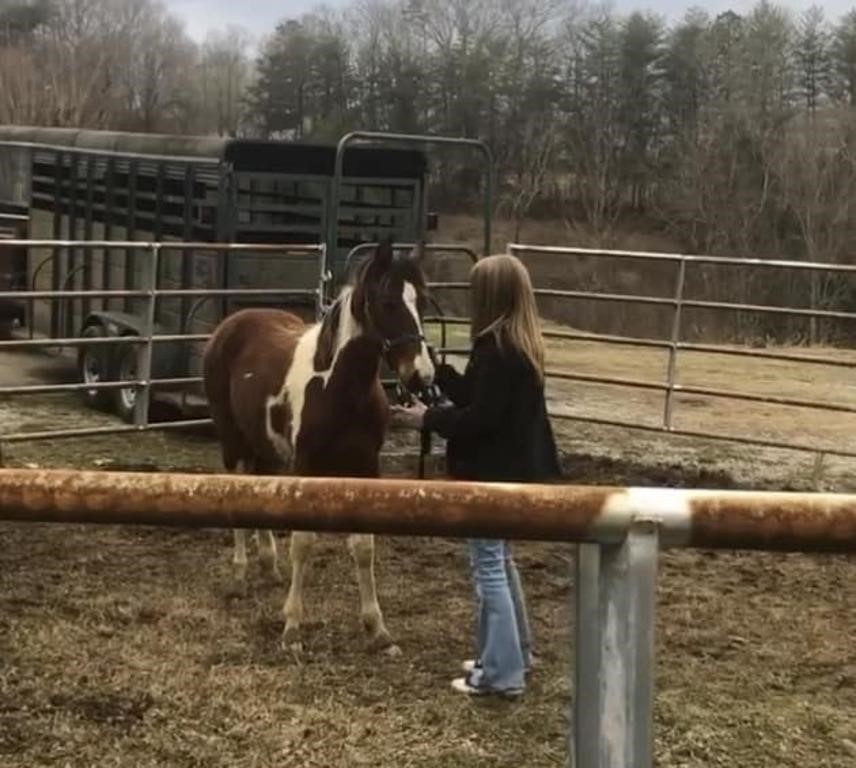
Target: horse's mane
column 325, row 349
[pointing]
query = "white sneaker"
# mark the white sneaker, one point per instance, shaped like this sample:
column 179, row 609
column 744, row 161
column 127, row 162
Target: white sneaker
column 470, row 664
column 463, row 685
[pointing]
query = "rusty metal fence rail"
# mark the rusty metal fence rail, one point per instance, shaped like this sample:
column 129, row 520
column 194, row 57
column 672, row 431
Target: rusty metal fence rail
column 620, row 532
column 144, row 382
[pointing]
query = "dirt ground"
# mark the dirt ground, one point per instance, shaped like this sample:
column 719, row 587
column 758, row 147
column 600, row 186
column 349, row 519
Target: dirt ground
column 120, row 646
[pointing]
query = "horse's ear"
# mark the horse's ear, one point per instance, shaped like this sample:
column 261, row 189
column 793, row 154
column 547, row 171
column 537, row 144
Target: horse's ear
column 383, row 255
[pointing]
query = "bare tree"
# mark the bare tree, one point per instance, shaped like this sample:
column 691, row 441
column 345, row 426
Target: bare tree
column 593, row 139
column 75, row 54
column 224, row 74
column 22, row 98
column 816, row 171
column 531, row 177
column 157, row 60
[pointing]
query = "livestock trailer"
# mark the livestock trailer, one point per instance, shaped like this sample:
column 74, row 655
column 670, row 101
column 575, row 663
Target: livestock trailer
column 78, row 185
column 13, row 263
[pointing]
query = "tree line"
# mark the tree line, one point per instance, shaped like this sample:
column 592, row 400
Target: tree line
column 117, row 65
column 733, row 132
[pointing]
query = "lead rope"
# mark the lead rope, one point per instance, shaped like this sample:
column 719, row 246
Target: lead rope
column 430, row 396
column 433, row 395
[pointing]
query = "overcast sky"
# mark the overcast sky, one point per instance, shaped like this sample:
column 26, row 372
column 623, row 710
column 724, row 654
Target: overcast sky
column 260, row 16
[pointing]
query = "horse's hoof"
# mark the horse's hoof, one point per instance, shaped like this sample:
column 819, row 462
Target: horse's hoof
column 272, row 575
column 270, row 570
column 383, row 643
column 291, row 642
column 237, row 588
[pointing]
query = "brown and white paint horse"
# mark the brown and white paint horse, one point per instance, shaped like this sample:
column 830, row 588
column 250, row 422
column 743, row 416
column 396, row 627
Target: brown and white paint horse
column 285, row 396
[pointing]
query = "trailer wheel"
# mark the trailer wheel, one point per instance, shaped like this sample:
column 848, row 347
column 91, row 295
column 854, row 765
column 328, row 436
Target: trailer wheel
column 125, row 398
column 93, row 365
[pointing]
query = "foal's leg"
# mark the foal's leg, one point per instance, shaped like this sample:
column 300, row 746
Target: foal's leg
column 299, row 552
column 239, row 559
column 362, row 550
column 239, row 552
column 267, row 538
column 267, row 554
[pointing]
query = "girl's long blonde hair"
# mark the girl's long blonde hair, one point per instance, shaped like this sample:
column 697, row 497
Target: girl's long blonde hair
column 503, row 304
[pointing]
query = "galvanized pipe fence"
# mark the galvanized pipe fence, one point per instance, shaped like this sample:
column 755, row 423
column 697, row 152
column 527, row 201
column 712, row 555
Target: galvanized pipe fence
column 619, row 532
column 668, row 386
column 143, row 382
column 674, row 346
column 679, row 302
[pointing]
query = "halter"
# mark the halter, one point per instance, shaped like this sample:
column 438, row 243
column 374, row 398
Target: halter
column 388, row 344
column 405, row 338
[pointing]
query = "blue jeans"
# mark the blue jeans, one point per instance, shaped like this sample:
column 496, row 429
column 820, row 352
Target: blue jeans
column 503, row 635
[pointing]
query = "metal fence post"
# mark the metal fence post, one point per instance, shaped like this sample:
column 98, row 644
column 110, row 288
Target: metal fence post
column 586, row 697
column 146, row 351
column 614, row 698
column 674, row 341
column 325, row 280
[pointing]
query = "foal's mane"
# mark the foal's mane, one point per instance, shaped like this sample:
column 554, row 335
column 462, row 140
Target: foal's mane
column 325, row 349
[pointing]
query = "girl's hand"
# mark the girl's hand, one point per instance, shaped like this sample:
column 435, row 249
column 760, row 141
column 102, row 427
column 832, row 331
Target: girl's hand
column 411, row 417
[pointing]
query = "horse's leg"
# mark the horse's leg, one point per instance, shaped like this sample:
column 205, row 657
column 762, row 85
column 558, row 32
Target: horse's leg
column 239, row 551
column 299, row 551
column 266, row 538
column 267, row 555
column 236, row 460
column 239, row 560
column 362, row 550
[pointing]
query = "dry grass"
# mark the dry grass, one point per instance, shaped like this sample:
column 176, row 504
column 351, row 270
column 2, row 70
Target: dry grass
column 118, row 647
column 468, row 229
column 766, row 378
column 715, row 415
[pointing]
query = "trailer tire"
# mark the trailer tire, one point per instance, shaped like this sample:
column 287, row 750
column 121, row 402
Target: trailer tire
column 94, row 366
column 125, row 398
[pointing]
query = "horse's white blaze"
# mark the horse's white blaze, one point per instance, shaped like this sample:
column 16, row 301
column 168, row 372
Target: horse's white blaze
column 302, row 369
column 424, row 366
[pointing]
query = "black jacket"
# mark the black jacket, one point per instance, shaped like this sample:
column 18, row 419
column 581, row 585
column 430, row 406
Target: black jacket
column 497, row 429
